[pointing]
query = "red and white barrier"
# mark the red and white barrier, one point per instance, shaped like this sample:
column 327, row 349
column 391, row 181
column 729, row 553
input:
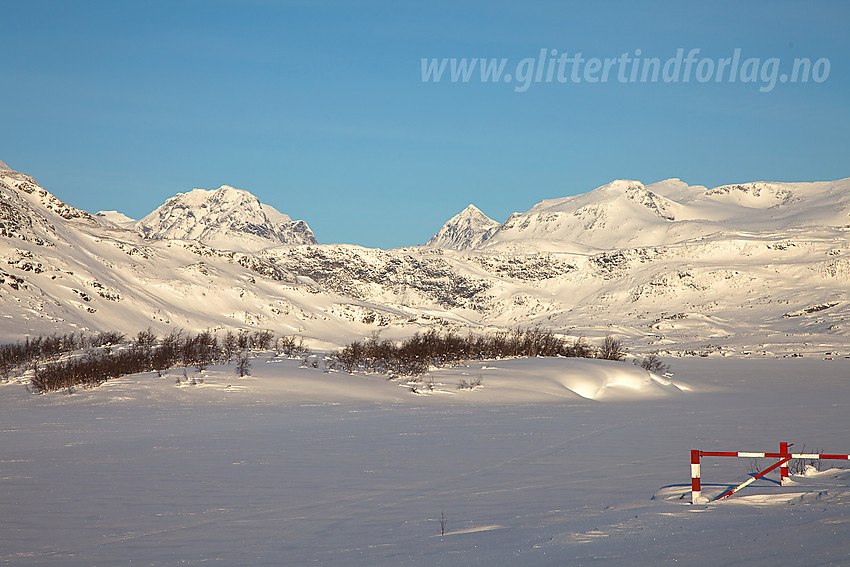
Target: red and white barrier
column 783, row 455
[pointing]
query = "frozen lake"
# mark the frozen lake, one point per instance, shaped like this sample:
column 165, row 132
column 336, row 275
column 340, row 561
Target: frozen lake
column 140, row 471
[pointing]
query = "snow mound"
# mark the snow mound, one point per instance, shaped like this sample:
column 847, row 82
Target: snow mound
column 552, row 379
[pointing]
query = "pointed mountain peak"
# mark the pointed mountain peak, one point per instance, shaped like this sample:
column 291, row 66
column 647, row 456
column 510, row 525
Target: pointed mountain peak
column 4, row 167
column 465, row 230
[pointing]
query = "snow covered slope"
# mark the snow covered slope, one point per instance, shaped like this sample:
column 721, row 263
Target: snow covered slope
column 467, row 229
column 226, row 218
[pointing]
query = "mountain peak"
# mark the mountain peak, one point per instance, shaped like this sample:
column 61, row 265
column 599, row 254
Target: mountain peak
column 465, row 230
column 622, row 185
column 4, row 167
column 227, row 217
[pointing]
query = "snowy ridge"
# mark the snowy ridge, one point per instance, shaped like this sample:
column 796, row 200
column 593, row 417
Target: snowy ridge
column 226, row 218
column 117, row 218
column 625, row 214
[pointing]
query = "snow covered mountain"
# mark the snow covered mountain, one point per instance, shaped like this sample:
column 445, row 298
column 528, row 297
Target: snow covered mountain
column 757, row 268
column 226, row 218
column 64, row 270
column 624, row 214
column 467, row 229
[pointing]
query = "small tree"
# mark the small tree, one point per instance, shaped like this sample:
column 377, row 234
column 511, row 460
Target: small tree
column 228, row 346
column 243, row 364
column 143, row 344
column 243, row 340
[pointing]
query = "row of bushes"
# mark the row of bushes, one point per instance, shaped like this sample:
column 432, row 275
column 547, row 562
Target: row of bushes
column 92, row 369
column 415, row 355
column 110, row 355
column 147, row 352
column 32, row 351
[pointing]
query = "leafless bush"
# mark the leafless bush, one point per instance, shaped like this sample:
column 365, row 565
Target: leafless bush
column 611, row 349
column 290, row 348
column 464, row 384
column 798, row 466
column 654, row 364
column 228, row 347
column 580, row 349
column 261, row 340
column 243, row 340
column 243, row 364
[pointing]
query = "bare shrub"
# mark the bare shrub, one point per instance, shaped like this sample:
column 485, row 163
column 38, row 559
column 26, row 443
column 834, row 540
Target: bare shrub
column 243, row 364
column 228, row 347
column 611, row 349
column 290, row 348
column 654, row 364
column 261, row 340
column 470, row 384
column 580, row 349
column 798, row 466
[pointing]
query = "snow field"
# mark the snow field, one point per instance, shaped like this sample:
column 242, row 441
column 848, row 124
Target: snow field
column 293, row 466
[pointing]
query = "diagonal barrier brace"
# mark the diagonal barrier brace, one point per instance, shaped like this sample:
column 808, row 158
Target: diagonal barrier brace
column 783, row 455
column 752, row 479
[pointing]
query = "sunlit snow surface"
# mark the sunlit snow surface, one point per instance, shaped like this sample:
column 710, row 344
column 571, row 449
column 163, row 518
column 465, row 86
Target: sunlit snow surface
column 294, row 466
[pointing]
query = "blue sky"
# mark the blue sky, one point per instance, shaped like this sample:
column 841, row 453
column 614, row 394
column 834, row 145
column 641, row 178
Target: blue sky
column 319, row 107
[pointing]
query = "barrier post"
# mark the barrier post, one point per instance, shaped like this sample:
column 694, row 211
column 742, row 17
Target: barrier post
column 783, row 469
column 696, row 492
